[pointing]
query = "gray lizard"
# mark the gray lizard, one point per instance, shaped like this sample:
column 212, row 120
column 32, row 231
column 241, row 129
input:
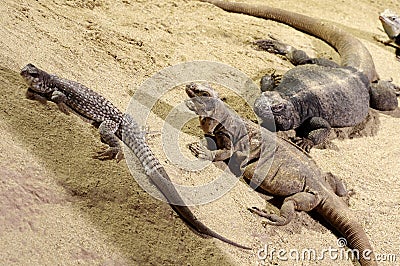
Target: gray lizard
column 279, row 168
column 317, row 94
column 391, row 25
column 113, row 125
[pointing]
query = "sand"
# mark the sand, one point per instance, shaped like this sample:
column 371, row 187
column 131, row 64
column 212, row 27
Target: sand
column 61, row 207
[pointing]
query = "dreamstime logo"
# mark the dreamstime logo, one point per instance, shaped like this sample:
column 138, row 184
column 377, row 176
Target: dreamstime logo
column 341, row 242
column 149, row 94
column 269, row 253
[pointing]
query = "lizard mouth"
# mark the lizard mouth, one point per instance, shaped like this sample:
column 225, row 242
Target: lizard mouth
column 199, row 90
column 192, row 90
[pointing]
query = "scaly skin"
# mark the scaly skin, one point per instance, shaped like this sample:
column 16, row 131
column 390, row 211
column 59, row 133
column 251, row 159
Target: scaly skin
column 279, row 167
column 317, row 94
column 113, row 126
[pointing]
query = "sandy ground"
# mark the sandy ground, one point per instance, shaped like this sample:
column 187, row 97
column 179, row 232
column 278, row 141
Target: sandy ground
column 61, row 207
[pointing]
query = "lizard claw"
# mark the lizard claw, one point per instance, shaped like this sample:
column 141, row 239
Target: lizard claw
column 200, row 151
column 269, row 82
column 63, row 108
column 272, row 219
column 395, row 87
column 109, row 154
column 258, row 211
column 147, row 133
column 349, row 194
column 383, row 40
column 304, row 144
column 273, row 46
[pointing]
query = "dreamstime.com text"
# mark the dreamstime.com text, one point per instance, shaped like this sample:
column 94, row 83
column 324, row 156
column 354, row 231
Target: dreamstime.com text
column 269, row 253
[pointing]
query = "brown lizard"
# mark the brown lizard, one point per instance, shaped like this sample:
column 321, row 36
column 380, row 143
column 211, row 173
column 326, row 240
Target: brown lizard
column 113, row 126
column 277, row 167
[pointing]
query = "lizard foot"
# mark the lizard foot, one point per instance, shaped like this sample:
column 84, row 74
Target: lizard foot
column 109, row 154
column 397, row 88
column 272, row 219
column 273, row 46
column 269, row 82
column 200, row 151
column 350, row 192
column 32, row 95
column 63, row 108
column 304, row 144
column 147, row 133
column 346, row 198
column 383, row 40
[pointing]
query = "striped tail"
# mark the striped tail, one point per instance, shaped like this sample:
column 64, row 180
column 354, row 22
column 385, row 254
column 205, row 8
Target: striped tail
column 337, row 213
column 133, row 137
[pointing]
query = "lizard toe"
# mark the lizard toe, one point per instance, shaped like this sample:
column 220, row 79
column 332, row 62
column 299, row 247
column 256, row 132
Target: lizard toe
column 109, row 154
column 305, row 144
column 194, row 148
column 200, row 151
column 119, row 156
column 273, row 46
column 259, row 212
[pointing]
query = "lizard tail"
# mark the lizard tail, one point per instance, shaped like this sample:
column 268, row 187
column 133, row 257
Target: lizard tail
column 336, row 212
column 133, row 137
column 353, row 53
column 171, row 194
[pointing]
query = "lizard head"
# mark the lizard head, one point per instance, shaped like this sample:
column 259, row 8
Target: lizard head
column 391, row 23
column 204, row 101
column 199, row 90
column 270, row 106
column 36, row 78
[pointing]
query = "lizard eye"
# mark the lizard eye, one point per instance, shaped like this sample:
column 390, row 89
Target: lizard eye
column 277, row 107
column 34, row 74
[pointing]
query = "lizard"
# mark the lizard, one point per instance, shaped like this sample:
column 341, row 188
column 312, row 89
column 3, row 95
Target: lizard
column 277, row 166
column 391, row 25
column 317, row 93
column 113, row 126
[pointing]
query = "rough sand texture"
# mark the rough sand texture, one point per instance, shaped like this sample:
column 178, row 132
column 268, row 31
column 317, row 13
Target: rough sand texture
column 60, row 207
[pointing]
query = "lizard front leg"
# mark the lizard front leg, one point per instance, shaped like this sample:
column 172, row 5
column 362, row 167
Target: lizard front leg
column 270, row 82
column 384, row 40
column 383, row 95
column 295, row 56
column 107, row 131
column 302, row 201
column 312, row 132
column 35, row 96
column 59, row 98
column 203, row 153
